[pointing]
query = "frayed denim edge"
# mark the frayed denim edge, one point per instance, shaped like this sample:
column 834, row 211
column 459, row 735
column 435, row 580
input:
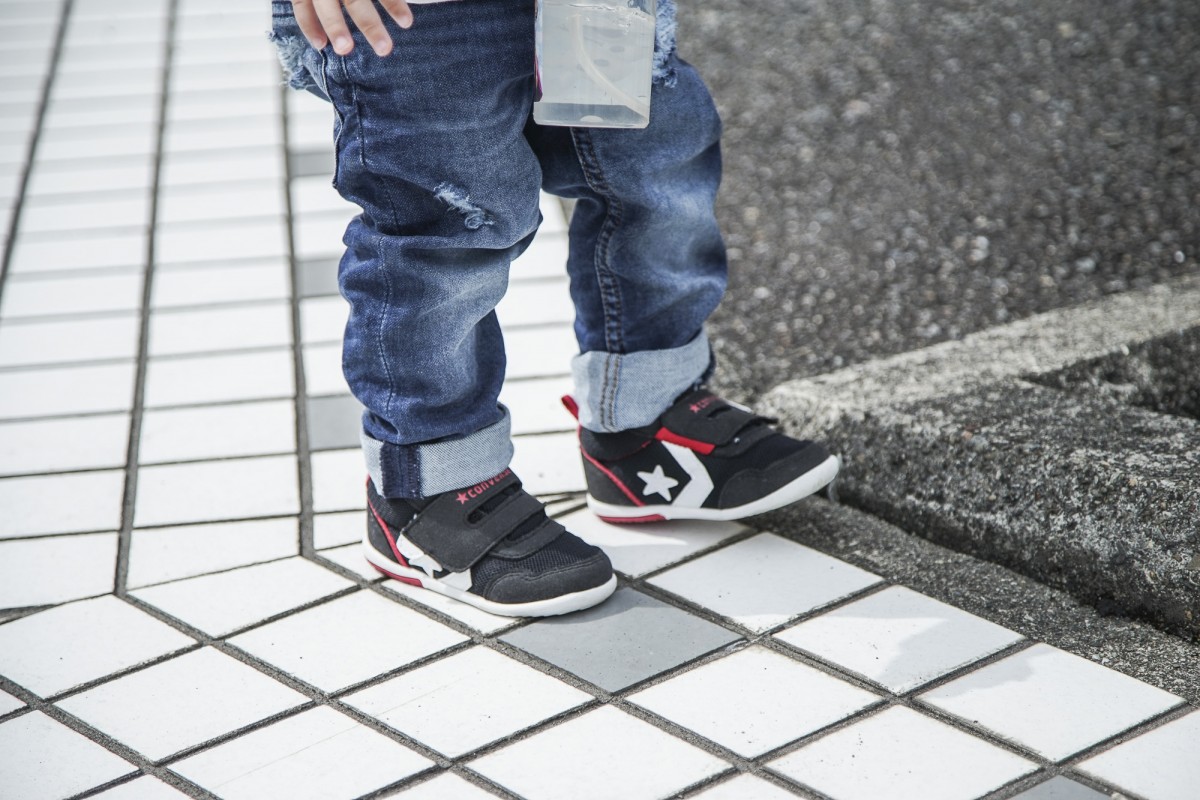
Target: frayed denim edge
column 664, row 44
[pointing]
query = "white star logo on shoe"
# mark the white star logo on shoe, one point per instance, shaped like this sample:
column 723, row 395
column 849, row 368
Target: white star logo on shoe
column 658, row 482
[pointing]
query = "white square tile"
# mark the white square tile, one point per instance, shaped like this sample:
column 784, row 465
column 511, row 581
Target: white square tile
column 536, row 302
column 76, row 340
column 323, row 319
column 76, row 295
column 554, row 219
column 41, row 759
column 166, row 554
column 38, row 572
column 310, row 130
column 102, row 214
column 210, row 490
column 55, row 178
column 314, row 194
column 143, row 788
column 453, row 706
column 233, row 74
column 745, row 787
column 184, row 244
column 71, row 503
column 9, row 704
column 1050, row 701
column 540, row 352
column 546, row 257
column 1160, row 764
column 350, row 557
column 220, row 201
column 259, row 130
column 447, row 786
column 323, row 369
column 764, row 581
column 338, row 478
column 319, row 754
column 536, row 405
column 238, row 429
column 645, row 547
column 224, row 602
column 465, row 613
column 900, row 753
column 188, row 169
column 196, row 286
column 754, row 700
column 600, row 755
column 320, row 235
column 337, row 529
column 197, row 106
column 219, row 378
column 51, row 391
column 347, row 640
column 898, row 638
column 176, row 332
column 67, row 120
column 78, row 252
column 63, row 647
column 63, row 444
column 549, row 464
column 181, row 703
column 72, row 144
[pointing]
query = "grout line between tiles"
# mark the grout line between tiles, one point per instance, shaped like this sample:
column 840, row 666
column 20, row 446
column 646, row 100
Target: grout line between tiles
column 39, row 121
column 304, row 474
column 129, row 499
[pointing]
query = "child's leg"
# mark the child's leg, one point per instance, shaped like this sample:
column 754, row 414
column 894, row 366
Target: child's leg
column 430, row 144
column 647, row 268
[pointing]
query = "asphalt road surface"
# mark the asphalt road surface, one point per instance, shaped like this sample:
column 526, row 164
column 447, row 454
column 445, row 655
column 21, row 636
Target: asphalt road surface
column 901, row 172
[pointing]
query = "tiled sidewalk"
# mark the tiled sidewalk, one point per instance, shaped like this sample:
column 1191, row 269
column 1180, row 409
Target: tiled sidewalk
column 181, row 497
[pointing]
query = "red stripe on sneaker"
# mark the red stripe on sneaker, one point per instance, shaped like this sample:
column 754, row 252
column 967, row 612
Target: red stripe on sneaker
column 617, row 481
column 401, row 578
column 391, row 541
column 571, row 405
column 628, row 520
column 664, row 435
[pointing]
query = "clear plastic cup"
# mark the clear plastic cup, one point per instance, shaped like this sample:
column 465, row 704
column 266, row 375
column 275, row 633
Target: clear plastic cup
column 594, row 60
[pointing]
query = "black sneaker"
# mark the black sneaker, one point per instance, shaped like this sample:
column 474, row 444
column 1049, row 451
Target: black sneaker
column 490, row 545
column 704, row 458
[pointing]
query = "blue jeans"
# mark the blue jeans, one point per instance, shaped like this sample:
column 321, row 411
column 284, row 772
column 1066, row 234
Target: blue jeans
column 437, row 145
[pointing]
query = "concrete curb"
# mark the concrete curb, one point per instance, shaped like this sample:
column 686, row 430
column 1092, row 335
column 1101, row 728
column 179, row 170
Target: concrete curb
column 965, row 443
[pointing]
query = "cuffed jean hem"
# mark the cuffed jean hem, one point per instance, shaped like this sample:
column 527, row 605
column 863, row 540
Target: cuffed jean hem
column 619, row 391
column 423, row 470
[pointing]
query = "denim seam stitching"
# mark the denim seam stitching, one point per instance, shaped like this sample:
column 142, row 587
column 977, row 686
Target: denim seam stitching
column 610, row 294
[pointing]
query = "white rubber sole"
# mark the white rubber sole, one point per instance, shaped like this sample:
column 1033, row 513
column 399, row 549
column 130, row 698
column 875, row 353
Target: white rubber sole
column 551, row 607
column 808, row 483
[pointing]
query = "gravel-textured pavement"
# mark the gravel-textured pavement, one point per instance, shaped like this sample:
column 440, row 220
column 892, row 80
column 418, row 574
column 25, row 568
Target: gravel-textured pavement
column 901, row 173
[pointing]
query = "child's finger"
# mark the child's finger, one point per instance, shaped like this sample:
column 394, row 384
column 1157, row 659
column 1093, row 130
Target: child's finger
column 310, row 26
column 367, row 19
column 329, row 12
column 400, row 12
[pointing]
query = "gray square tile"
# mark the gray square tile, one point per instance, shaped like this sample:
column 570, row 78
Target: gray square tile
column 334, row 422
column 317, row 277
column 1060, row 788
column 627, row 639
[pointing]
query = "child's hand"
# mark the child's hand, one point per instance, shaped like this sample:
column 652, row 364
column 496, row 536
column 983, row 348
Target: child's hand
column 321, row 21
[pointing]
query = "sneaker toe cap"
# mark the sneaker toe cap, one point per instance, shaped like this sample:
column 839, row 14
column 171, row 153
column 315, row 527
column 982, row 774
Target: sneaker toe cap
column 528, row 583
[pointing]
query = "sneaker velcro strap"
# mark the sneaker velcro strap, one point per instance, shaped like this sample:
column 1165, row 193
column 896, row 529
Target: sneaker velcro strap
column 456, row 531
column 705, row 419
column 531, row 542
